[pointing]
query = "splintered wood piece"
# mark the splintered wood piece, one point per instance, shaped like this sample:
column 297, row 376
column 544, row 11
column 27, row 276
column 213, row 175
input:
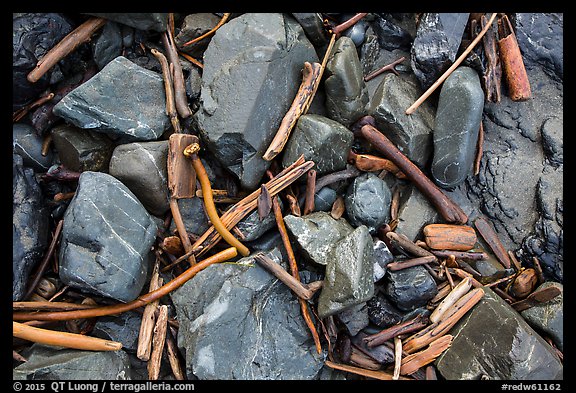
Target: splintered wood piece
column 414, row 361
column 489, row 235
column 524, row 283
column 397, row 357
column 515, row 73
column 446, row 322
column 459, row 290
column 338, row 208
column 310, row 75
column 404, row 264
column 264, row 202
column 371, row 163
column 173, row 358
column 158, row 343
column 375, row 374
column 181, row 174
column 449, row 237
column 537, row 297
column 149, row 317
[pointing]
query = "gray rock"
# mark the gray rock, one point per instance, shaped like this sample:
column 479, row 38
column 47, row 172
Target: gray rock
column 28, row 144
column 382, row 257
column 320, row 139
column 108, row 45
column 193, row 84
column 540, row 35
column 123, row 328
column 493, row 341
column 259, row 57
column 414, row 213
column 382, row 312
column 106, row 239
column 324, row 199
column 316, row 234
column 390, row 35
column 252, row 227
column 313, row 25
column 548, row 317
column 436, row 44
column 357, row 33
column 553, row 140
column 82, row 150
column 123, row 100
column 195, row 25
column 238, row 322
column 410, row 288
column 194, row 216
column 412, row 134
column 355, row 318
column 349, row 273
column 56, row 363
column 346, row 94
column 368, row 201
column 157, row 21
column 456, row 126
column 142, row 167
column 30, row 225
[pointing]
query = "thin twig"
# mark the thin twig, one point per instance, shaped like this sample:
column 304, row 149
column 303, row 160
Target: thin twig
column 310, row 191
column 178, row 76
column 158, row 342
column 388, row 67
column 169, row 89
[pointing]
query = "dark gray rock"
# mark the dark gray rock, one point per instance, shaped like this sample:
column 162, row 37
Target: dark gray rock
column 313, row 25
column 108, row 45
column 540, row 37
column 316, row 234
column 368, row 201
column 346, row 94
column 238, row 322
column 357, row 33
column 142, row 167
column 548, row 318
column 193, row 84
column 324, row 199
column 382, row 257
column 414, row 213
column 194, row 215
column 106, row 239
column 382, row 312
column 412, row 134
column 195, row 25
column 493, row 341
column 56, row 363
column 320, row 139
column 157, row 21
column 123, row 100
column 553, row 140
column 410, row 288
column 390, row 35
column 252, row 227
column 259, row 57
column 28, row 144
column 456, row 126
column 30, row 225
column 355, row 318
column 436, row 44
column 123, row 328
column 82, row 150
column 349, row 273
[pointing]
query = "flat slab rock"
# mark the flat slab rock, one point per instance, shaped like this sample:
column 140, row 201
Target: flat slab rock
column 238, row 322
column 494, row 341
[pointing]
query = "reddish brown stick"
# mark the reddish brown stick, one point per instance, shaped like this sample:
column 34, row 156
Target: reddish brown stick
column 381, row 337
column 512, row 63
column 310, row 192
column 177, row 76
column 445, row 206
column 389, row 67
column 395, row 266
column 491, row 238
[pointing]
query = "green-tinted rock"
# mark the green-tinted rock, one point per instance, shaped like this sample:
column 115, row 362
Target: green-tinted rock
column 493, row 341
column 368, row 201
column 349, row 273
column 549, row 317
column 82, row 150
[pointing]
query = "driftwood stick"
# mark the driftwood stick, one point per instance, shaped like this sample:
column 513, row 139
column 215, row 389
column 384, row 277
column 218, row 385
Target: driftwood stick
column 375, row 374
column 310, row 192
column 401, row 242
column 388, row 67
column 158, row 343
column 370, row 163
column 178, row 76
column 67, row 45
column 49, row 306
column 512, row 63
column 491, row 237
column 20, row 113
column 466, row 255
column 459, row 290
column 173, row 356
column 536, row 297
column 397, row 357
column 414, row 361
column 149, row 317
column 404, row 264
column 381, row 337
column 449, row 71
column 169, row 89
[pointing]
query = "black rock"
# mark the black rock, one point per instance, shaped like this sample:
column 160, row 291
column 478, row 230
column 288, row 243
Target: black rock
column 313, row 26
column 194, row 215
column 108, row 45
column 410, row 288
column 368, row 201
column 390, row 35
column 354, row 318
column 28, row 144
column 156, row 21
column 382, row 312
column 193, row 26
column 30, row 226
column 123, row 328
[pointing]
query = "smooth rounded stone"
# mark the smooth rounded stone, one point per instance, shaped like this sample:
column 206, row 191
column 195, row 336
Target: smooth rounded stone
column 106, row 239
column 458, row 117
column 324, row 199
column 357, row 33
column 316, row 234
column 259, row 57
column 436, row 44
column 238, row 322
column 142, row 167
column 320, row 139
column 108, row 44
column 411, row 134
column 493, row 341
column 346, row 94
column 193, row 26
column 252, row 227
column 414, row 213
column 382, row 312
column 30, row 225
column 548, row 317
column 349, row 273
column 382, row 257
column 313, row 25
column 34, row 34
column 355, row 318
column 123, row 328
column 123, row 100
column 390, row 35
column 57, row 363
column 368, row 201
column 82, row 150
column 28, row 144
column 157, row 21
column 553, row 140
column 410, row 288
column 194, row 216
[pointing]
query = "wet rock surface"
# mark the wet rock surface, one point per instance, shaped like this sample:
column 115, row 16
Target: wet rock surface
column 105, row 176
